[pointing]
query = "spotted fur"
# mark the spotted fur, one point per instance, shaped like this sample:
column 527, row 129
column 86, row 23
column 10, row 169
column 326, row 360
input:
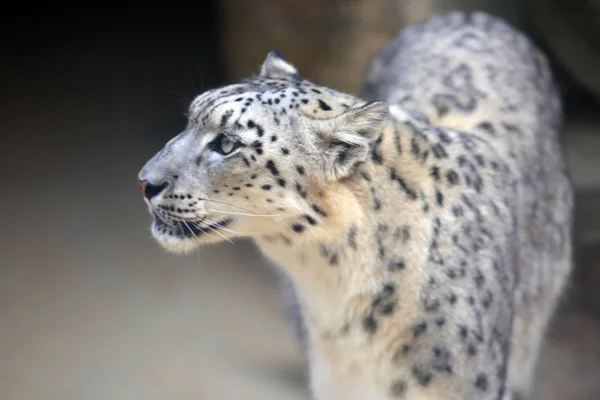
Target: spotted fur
column 425, row 224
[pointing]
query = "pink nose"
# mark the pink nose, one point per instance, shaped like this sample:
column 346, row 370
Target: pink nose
column 142, row 185
column 150, row 190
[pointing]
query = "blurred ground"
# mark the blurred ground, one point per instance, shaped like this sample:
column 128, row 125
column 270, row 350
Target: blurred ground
column 91, row 308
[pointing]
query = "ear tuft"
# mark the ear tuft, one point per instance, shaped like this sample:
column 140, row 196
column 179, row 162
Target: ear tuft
column 275, row 66
column 365, row 121
column 345, row 140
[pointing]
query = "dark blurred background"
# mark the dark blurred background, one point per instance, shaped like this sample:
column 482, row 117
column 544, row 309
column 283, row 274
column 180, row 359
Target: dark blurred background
column 91, row 308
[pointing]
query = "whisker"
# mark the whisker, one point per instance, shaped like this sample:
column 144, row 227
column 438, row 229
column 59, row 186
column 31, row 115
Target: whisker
column 190, row 229
column 220, row 234
column 199, row 227
column 223, row 228
column 214, row 230
column 226, row 203
column 246, row 214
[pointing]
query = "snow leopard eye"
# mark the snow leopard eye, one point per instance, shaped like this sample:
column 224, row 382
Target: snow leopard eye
column 224, row 145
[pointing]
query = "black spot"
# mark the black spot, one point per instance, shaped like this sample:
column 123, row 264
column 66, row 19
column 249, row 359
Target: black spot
column 421, row 375
column 405, row 233
column 198, row 160
column 487, row 126
column 273, row 138
column 376, row 203
column 481, row 382
column 298, row 228
column 400, row 352
column 253, row 176
column 257, row 145
column 271, row 166
column 285, row 151
column 251, row 124
column 414, row 146
column 316, row 91
column 324, row 106
column 301, row 190
column 396, row 264
column 352, row 237
column 370, row 324
column 419, row 329
column 246, row 161
column 310, row 219
column 398, row 388
column 388, row 308
column 440, row 321
column 457, row 211
column 452, row 177
column 439, row 196
column 318, row 210
column 438, row 151
column 480, row 160
column 324, row 250
column 381, row 249
column 389, row 288
column 281, row 182
column 334, row 259
column 376, row 151
column 397, row 141
column 405, row 349
column 434, row 172
column 442, row 359
column 409, row 192
column 236, row 188
column 300, row 169
column 463, row 332
column 266, row 187
column 479, row 279
column 304, row 101
column 225, row 117
column 443, row 135
column 487, row 300
column 431, row 305
column 471, row 350
column 452, row 298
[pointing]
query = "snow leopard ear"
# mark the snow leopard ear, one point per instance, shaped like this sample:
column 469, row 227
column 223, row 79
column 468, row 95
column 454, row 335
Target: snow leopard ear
column 346, row 140
column 275, row 66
